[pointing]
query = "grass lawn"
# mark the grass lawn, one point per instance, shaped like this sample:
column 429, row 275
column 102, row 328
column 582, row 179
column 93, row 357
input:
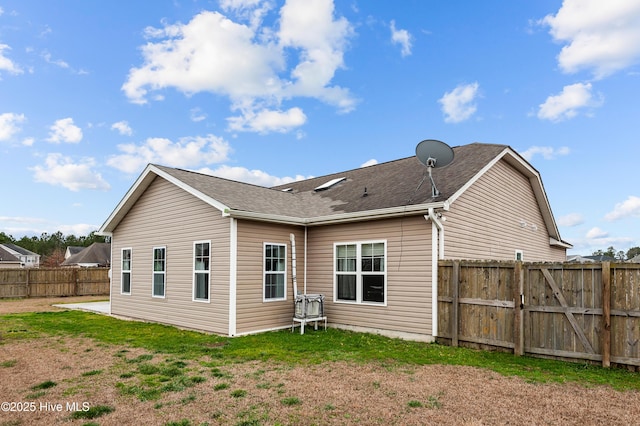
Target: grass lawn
column 292, row 348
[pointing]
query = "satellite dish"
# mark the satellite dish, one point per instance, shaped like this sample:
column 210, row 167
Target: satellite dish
column 434, row 154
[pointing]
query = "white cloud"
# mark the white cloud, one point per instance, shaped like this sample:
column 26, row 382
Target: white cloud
column 188, row 152
column 62, row 171
column 122, row 127
column 602, row 36
column 596, row 233
column 10, row 125
column 401, row 37
column 566, row 104
column 266, row 121
column 547, row 152
column 248, row 64
column 256, row 177
column 368, row 163
column 458, row 105
column 250, row 10
column 571, row 220
column 197, row 115
column 309, row 26
column 64, row 130
column 629, row 207
column 7, row 64
column 78, row 229
column 57, row 62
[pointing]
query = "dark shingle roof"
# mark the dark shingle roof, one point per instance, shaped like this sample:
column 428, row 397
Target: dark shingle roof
column 98, row 253
column 5, row 256
column 391, row 184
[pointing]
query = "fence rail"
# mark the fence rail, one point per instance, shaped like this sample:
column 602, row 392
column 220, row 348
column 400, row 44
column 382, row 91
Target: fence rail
column 39, row 282
column 568, row 311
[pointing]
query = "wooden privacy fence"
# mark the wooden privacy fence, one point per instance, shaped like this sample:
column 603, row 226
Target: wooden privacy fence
column 561, row 310
column 37, row 282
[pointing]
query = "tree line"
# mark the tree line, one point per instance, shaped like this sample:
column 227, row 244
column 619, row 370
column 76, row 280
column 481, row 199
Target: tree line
column 52, row 247
column 618, row 255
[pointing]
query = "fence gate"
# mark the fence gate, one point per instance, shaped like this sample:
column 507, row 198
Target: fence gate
column 563, row 311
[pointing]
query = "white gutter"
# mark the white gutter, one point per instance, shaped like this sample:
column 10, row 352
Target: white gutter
column 336, row 218
column 437, row 253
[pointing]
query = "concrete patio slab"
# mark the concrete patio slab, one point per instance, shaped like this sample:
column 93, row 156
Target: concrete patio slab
column 99, row 307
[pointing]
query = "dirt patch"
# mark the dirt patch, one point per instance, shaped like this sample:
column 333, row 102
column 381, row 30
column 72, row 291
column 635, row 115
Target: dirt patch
column 87, row 373
column 42, row 304
column 49, row 378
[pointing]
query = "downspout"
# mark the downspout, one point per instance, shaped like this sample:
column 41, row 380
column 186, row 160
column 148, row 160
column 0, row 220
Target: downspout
column 305, row 260
column 437, row 253
column 293, row 264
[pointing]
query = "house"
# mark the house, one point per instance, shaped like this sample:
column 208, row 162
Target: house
column 97, row 254
column 8, row 260
column 71, row 250
column 213, row 254
column 28, row 259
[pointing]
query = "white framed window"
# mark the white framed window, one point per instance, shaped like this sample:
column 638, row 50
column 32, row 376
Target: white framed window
column 519, row 255
column 201, row 270
column 125, row 280
column 159, row 271
column 274, row 272
column 360, row 272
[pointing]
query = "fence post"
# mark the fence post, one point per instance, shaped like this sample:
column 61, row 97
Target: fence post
column 455, row 281
column 606, row 314
column 518, row 311
column 28, row 288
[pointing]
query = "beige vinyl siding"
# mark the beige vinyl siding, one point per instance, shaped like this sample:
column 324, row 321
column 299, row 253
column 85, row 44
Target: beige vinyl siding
column 496, row 216
column 408, row 264
column 168, row 216
column 253, row 313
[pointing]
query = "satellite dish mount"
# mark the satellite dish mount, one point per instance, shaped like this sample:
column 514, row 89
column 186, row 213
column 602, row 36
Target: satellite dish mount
column 434, row 154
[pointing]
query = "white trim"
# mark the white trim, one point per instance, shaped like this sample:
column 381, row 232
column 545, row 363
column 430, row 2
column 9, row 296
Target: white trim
column 201, row 272
column 358, row 273
column 154, row 272
column 264, row 272
column 519, row 252
column 233, row 275
column 129, row 270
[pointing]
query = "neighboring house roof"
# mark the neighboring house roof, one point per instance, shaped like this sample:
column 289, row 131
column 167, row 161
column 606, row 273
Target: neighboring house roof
column 97, row 254
column 635, row 259
column 579, row 259
column 19, row 250
column 600, row 258
column 7, row 257
column 383, row 190
column 71, row 250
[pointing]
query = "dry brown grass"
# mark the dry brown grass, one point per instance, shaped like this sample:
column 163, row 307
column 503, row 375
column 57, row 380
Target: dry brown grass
column 330, row 393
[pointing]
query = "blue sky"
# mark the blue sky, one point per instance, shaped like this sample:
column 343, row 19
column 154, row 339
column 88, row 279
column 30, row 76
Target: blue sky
column 270, row 91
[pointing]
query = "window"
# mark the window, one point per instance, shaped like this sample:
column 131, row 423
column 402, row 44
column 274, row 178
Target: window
column 275, row 270
column 125, row 282
column 519, row 255
column 201, row 262
column 360, row 275
column 159, row 270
